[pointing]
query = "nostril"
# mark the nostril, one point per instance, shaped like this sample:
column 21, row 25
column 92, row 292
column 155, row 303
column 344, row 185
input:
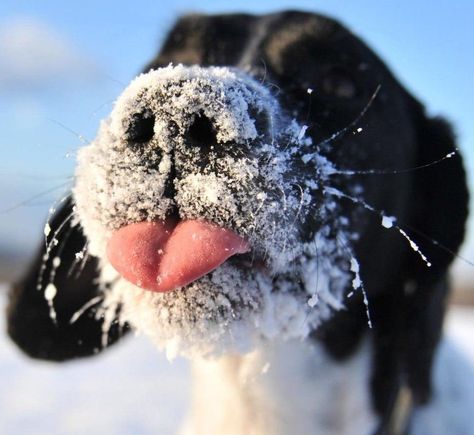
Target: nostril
column 202, row 133
column 141, row 127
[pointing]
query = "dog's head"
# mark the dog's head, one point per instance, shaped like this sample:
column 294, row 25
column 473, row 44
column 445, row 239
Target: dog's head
column 196, row 197
column 244, row 193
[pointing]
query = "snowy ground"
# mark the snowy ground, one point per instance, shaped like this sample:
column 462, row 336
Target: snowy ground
column 132, row 389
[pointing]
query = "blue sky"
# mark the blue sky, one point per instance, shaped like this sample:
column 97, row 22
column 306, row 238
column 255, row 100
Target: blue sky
column 62, row 65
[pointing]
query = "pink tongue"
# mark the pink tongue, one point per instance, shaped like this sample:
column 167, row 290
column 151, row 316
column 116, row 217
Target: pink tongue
column 161, row 256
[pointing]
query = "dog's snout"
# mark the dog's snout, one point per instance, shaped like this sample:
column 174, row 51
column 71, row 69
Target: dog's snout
column 202, row 132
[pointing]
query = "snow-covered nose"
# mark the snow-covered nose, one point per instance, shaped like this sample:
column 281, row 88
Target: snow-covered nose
column 203, row 106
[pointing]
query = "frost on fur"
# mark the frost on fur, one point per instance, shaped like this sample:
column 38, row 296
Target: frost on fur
column 259, row 175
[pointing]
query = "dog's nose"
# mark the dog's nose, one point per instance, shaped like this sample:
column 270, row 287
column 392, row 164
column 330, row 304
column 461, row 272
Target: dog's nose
column 195, row 108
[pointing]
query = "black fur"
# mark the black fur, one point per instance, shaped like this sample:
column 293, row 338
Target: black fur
column 294, row 51
column 29, row 322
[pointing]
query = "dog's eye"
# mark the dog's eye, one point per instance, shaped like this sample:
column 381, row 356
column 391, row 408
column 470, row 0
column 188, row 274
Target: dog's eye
column 202, row 133
column 141, row 127
column 340, row 84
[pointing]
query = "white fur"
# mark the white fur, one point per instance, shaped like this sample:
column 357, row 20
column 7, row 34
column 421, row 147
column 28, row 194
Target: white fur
column 283, row 388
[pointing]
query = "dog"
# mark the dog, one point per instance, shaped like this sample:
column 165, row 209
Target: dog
column 268, row 200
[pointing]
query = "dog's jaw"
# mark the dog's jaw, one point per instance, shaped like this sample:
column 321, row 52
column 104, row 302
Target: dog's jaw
column 249, row 181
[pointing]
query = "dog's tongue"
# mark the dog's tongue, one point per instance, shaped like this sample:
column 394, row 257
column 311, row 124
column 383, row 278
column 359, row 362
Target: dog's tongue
column 163, row 255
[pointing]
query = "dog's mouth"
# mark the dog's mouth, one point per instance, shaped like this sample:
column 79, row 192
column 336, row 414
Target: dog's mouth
column 162, row 256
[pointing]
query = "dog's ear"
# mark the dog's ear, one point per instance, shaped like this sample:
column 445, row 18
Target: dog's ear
column 440, row 197
column 206, row 40
column 409, row 321
column 30, row 323
column 440, row 205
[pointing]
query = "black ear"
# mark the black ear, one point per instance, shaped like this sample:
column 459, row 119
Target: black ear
column 440, row 195
column 409, row 320
column 441, row 202
column 30, row 324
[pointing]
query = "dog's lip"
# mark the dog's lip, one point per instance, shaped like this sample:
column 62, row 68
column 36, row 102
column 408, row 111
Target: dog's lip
column 164, row 255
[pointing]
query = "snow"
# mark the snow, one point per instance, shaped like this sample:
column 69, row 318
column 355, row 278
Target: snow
column 388, row 221
column 451, row 410
column 460, row 326
column 313, row 300
column 133, row 389
column 50, row 292
column 356, row 282
column 302, row 132
column 414, row 246
column 47, row 230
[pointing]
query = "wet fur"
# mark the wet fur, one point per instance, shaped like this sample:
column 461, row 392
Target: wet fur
column 292, row 52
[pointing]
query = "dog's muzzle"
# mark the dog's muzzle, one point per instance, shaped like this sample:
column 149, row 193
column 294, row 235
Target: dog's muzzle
column 187, row 132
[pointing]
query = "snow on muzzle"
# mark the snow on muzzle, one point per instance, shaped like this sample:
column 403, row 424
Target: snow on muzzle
column 161, row 256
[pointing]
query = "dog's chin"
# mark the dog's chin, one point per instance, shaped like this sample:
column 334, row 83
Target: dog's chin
column 233, row 309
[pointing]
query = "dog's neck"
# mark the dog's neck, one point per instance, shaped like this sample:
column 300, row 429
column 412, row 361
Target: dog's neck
column 284, row 388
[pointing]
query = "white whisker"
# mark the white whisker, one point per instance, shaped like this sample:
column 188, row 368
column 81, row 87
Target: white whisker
column 387, row 221
column 394, row 171
column 81, row 138
column 343, row 131
column 89, row 304
column 29, row 200
column 357, row 282
column 49, row 246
